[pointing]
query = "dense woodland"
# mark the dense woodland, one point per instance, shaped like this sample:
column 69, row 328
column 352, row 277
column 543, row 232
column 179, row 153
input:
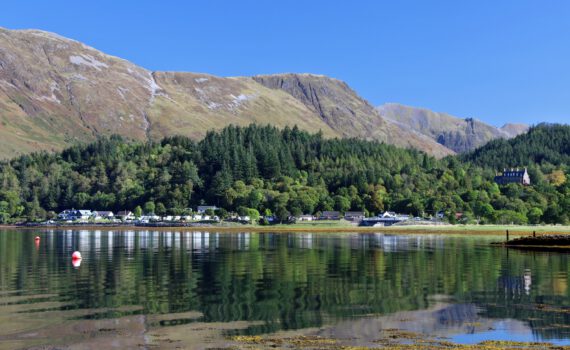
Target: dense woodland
column 286, row 172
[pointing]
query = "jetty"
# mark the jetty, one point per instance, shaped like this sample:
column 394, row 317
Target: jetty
column 538, row 242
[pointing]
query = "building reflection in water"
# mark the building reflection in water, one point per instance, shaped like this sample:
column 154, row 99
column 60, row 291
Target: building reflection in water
column 92, row 241
column 515, row 285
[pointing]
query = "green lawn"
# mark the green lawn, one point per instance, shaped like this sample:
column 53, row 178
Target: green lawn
column 503, row 228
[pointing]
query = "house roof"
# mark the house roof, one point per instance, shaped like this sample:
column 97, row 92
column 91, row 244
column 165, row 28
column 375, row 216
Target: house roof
column 514, row 172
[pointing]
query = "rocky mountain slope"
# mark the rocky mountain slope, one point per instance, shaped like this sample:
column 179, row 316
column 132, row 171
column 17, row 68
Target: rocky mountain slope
column 459, row 135
column 55, row 91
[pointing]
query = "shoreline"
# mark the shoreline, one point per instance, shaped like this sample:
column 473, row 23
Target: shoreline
column 314, row 228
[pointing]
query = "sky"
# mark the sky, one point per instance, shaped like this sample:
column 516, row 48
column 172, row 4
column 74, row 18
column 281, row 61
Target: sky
column 498, row 61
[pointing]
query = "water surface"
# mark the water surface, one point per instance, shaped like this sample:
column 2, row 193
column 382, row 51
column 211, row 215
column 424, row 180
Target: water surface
column 198, row 289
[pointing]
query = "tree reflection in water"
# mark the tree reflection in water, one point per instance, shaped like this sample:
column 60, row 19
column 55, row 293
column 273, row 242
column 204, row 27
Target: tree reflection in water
column 443, row 284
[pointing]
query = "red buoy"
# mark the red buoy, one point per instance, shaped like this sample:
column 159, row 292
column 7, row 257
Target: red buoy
column 37, row 238
column 76, row 255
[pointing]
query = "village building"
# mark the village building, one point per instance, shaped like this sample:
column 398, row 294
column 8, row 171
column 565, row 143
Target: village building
column 74, row 215
column 388, row 218
column 202, row 208
column 305, row 218
column 330, row 215
column 395, row 216
column 245, row 218
column 65, row 215
column 149, row 217
column 125, row 215
column 82, row 214
column 513, row 176
column 354, row 215
column 102, row 215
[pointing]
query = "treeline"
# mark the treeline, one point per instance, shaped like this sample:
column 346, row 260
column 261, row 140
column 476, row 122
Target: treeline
column 289, row 172
column 543, row 145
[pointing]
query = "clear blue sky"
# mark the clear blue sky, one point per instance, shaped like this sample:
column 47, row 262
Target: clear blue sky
column 499, row 61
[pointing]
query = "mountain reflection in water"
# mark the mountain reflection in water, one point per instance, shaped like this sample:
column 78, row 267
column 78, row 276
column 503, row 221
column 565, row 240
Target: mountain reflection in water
column 137, row 287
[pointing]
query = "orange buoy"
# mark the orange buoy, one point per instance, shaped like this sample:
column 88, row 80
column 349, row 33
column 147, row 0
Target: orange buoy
column 76, row 255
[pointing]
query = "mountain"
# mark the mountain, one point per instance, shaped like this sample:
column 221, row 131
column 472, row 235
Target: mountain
column 459, row 135
column 55, row 92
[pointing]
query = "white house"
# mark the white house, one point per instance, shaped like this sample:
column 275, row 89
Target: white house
column 74, row 215
column 126, row 215
column 305, row 218
column 399, row 217
column 149, row 217
column 82, row 215
column 65, row 215
column 354, row 215
column 102, row 215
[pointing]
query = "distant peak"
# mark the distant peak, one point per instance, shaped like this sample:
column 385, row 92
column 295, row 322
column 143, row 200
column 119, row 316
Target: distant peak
column 514, row 125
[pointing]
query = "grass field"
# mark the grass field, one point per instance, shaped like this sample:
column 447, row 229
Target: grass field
column 338, row 227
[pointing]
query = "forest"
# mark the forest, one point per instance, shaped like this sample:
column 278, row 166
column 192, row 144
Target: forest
column 265, row 170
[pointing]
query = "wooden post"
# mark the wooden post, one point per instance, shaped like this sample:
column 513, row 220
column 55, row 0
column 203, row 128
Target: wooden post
column 534, row 233
column 507, row 235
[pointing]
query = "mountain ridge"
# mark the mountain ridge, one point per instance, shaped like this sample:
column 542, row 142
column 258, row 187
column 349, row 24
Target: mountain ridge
column 459, row 134
column 55, row 92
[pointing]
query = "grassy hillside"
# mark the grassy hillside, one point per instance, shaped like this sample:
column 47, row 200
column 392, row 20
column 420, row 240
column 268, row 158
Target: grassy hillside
column 56, row 92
